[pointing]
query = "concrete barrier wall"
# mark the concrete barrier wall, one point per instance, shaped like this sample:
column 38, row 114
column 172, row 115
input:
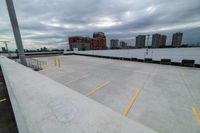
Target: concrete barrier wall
column 175, row 54
column 51, row 53
column 42, row 105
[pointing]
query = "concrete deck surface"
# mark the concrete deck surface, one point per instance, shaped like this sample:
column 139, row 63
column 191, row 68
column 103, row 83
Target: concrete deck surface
column 158, row 96
column 42, row 105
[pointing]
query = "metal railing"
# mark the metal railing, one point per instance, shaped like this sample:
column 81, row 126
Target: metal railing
column 35, row 64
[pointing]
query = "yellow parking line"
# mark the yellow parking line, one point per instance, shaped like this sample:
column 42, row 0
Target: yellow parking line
column 126, row 110
column 2, row 100
column 157, row 68
column 97, row 88
column 74, row 80
column 45, row 70
column 63, row 70
column 181, row 71
column 196, row 115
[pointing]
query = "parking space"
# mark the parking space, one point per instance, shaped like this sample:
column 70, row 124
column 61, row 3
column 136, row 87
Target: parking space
column 163, row 97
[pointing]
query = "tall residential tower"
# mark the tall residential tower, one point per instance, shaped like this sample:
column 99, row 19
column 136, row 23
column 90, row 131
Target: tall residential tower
column 158, row 40
column 177, row 39
column 140, row 41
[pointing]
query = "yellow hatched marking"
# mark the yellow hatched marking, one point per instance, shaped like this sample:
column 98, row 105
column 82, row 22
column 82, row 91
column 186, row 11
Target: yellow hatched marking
column 126, row 110
column 97, row 88
column 196, row 115
column 74, row 80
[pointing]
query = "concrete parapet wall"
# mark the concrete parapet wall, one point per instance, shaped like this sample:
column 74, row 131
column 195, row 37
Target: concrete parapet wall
column 175, row 54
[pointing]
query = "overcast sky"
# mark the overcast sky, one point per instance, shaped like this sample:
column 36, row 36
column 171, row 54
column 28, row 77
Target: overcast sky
column 49, row 22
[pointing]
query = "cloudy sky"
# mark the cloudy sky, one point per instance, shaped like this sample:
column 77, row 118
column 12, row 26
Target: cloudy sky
column 49, row 22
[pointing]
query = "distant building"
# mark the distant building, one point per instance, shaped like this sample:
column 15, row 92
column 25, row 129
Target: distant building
column 158, row 40
column 177, row 39
column 114, row 44
column 163, row 39
column 99, row 34
column 87, row 43
column 155, row 40
column 123, row 44
column 82, row 43
column 140, row 41
column 98, row 41
column 3, row 49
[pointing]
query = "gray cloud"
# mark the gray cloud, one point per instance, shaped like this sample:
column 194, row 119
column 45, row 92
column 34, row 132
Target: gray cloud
column 50, row 22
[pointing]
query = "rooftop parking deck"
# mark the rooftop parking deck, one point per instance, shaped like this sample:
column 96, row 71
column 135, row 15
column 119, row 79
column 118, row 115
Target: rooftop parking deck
column 163, row 97
column 42, row 105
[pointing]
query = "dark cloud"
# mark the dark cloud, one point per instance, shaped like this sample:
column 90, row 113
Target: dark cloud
column 50, row 22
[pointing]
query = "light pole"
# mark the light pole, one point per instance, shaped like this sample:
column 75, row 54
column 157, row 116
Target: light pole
column 6, row 45
column 16, row 31
column 147, row 50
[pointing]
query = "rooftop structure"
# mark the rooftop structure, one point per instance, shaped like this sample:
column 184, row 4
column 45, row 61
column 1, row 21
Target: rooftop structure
column 99, row 34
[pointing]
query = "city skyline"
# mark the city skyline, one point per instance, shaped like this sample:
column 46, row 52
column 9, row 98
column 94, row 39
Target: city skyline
column 50, row 23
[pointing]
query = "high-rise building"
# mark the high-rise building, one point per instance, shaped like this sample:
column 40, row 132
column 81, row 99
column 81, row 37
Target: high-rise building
column 140, row 41
column 155, row 40
column 114, row 44
column 158, row 40
column 123, row 44
column 177, row 39
column 163, row 39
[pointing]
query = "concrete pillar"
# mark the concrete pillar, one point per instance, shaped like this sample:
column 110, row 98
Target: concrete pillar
column 16, row 31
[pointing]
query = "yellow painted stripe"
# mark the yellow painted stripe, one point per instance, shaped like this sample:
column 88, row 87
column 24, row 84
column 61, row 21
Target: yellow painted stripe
column 126, row 110
column 74, row 80
column 157, row 68
column 47, row 69
column 179, row 70
column 97, row 88
column 63, row 70
column 2, row 100
column 44, row 71
column 55, row 62
column 196, row 115
column 59, row 62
